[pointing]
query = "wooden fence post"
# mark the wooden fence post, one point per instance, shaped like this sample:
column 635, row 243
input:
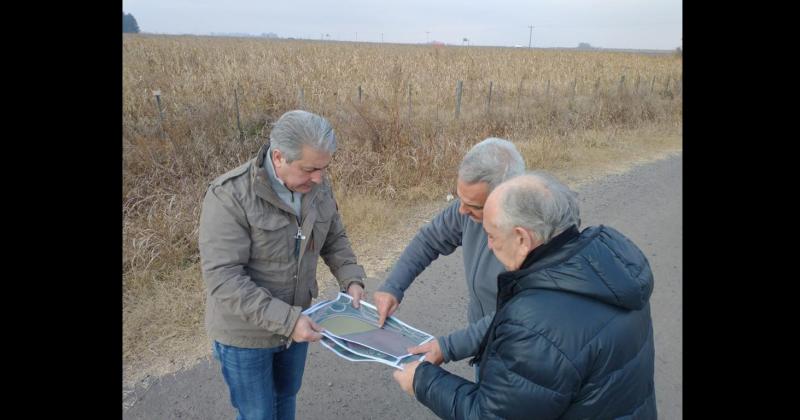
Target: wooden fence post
column 489, row 101
column 621, row 84
column 359, row 94
column 458, row 98
column 519, row 95
column 238, row 121
column 652, row 83
column 157, row 94
column 574, row 87
column 597, row 86
column 409, row 101
column 301, row 98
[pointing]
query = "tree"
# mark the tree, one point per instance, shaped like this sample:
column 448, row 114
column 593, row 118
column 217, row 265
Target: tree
column 129, row 24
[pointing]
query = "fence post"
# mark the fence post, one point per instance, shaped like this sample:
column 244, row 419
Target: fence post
column 621, row 84
column 574, row 87
column 519, row 94
column 458, row 98
column 547, row 91
column 489, row 101
column 301, row 98
column 157, row 94
column 666, row 87
column 597, row 86
column 359, row 93
column 636, row 87
column 238, row 122
column 409, row 101
column 652, row 83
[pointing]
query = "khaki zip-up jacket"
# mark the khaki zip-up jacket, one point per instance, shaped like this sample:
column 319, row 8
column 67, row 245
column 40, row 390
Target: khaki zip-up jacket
column 256, row 283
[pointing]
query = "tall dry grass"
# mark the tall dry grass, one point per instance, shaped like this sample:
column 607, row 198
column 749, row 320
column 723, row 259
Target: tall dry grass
column 395, row 149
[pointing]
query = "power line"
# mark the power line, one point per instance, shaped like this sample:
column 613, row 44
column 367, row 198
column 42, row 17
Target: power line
column 530, row 37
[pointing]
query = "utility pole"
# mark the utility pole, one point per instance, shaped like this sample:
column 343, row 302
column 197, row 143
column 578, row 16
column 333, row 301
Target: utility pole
column 427, row 38
column 530, row 37
column 381, row 37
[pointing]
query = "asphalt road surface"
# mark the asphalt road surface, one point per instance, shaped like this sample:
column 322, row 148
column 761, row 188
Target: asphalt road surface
column 645, row 204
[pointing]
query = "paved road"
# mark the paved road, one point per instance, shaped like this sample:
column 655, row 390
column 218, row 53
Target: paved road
column 645, row 204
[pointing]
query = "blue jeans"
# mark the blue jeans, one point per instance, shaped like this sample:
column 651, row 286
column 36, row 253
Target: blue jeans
column 263, row 382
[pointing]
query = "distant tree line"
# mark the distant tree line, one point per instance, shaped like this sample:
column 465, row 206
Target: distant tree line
column 129, row 24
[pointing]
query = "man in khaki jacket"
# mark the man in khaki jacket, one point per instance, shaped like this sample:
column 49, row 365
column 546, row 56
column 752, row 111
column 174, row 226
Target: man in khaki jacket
column 262, row 227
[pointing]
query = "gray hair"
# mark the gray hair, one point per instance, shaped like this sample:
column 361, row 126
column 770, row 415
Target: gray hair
column 297, row 128
column 492, row 161
column 540, row 203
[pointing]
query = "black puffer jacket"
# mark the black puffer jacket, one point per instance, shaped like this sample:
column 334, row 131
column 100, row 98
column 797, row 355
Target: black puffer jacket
column 572, row 338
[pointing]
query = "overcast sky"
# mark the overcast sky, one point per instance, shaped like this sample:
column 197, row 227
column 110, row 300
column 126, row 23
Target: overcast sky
column 635, row 24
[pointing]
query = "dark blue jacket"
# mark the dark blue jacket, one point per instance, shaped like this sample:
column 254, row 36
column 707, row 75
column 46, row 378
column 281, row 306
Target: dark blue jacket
column 572, row 338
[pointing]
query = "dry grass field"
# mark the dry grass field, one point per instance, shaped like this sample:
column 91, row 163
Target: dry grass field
column 575, row 113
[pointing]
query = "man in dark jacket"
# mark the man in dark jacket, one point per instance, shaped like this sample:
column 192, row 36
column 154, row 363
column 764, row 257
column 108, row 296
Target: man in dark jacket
column 572, row 337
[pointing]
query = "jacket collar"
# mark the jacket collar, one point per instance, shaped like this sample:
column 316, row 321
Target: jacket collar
column 277, row 184
column 508, row 282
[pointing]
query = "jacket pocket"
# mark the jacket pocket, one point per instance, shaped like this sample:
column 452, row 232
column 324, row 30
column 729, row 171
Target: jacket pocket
column 270, row 237
column 322, row 225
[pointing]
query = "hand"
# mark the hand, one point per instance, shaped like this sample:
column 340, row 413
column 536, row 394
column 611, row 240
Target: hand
column 356, row 292
column 386, row 304
column 305, row 329
column 433, row 353
column 405, row 377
